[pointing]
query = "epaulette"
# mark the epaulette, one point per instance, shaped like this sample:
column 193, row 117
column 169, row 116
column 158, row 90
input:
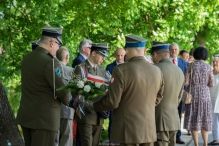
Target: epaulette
column 100, row 66
column 50, row 55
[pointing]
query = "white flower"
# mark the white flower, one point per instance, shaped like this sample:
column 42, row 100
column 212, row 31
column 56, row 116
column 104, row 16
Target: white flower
column 119, row 37
column 158, row 28
column 80, row 84
column 191, row 39
column 190, row 23
column 205, row 13
column 94, row 25
column 87, row 88
column 181, row 10
column 176, row 11
column 180, row 3
column 97, row 84
column 186, row 4
column 217, row 11
column 172, row 28
column 122, row 35
column 189, row 31
column 200, row 16
column 154, row 33
column 191, row 43
column 84, row 79
column 161, row 34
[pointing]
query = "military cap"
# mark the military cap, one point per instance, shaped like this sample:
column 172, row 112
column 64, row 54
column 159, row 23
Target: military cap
column 100, row 47
column 55, row 32
column 159, row 45
column 34, row 44
column 133, row 41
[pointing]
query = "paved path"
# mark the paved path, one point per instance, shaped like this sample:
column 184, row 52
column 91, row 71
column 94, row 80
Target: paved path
column 188, row 139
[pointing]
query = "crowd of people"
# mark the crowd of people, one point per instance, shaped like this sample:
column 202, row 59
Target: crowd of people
column 144, row 97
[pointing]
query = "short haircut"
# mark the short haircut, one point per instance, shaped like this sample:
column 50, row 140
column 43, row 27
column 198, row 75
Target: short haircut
column 61, row 53
column 174, row 44
column 84, row 43
column 183, row 51
column 201, row 53
column 46, row 39
column 159, row 51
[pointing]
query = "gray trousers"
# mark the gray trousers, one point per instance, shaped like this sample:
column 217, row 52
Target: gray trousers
column 215, row 122
column 64, row 136
column 167, row 136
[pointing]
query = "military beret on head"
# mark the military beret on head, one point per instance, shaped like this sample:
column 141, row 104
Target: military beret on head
column 100, row 47
column 55, row 32
column 34, row 44
column 159, row 45
column 133, row 41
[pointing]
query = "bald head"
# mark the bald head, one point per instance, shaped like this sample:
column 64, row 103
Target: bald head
column 120, row 53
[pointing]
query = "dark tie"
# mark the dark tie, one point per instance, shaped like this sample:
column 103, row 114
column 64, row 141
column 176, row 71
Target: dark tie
column 95, row 70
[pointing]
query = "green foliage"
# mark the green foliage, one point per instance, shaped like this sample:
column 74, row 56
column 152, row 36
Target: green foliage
column 186, row 22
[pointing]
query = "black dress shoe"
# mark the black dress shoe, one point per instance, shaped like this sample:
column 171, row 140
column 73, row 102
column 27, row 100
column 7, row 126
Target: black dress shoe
column 213, row 143
column 179, row 141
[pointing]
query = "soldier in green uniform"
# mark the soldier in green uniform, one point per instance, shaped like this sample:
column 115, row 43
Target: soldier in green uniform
column 34, row 44
column 41, row 75
column 166, row 113
column 90, row 125
column 135, row 89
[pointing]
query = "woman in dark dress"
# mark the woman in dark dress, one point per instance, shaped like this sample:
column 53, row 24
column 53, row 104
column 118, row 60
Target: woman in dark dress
column 198, row 115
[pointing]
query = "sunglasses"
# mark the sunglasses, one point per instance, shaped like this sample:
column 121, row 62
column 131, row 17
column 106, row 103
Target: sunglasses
column 57, row 43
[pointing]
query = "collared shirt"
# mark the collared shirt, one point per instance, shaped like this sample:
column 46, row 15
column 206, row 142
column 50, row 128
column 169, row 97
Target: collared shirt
column 91, row 63
column 117, row 63
column 176, row 60
column 83, row 56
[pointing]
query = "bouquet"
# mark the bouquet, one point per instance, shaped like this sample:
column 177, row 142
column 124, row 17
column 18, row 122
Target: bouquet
column 87, row 90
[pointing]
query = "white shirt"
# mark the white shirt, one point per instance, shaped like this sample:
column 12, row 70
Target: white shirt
column 117, row 63
column 214, row 93
column 176, row 60
column 83, row 56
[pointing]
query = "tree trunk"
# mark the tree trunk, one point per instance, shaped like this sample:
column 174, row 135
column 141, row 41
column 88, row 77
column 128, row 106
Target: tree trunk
column 8, row 128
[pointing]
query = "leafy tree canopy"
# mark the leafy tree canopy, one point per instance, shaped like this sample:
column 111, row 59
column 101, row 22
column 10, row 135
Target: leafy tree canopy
column 190, row 23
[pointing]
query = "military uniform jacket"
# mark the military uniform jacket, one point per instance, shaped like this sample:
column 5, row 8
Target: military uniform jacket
column 66, row 111
column 89, row 118
column 136, row 88
column 38, row 107
column 167, row 117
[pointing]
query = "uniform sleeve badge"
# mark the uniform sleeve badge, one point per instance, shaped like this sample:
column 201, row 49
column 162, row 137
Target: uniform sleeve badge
column 58, row 71
column 112, row 80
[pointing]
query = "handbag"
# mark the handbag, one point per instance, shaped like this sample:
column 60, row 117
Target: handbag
column 187, row 96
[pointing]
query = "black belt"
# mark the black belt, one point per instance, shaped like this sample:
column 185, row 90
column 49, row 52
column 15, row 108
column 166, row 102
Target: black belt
column 163, row 140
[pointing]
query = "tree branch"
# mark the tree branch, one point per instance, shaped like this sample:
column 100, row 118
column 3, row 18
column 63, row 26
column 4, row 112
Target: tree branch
column 10, row 39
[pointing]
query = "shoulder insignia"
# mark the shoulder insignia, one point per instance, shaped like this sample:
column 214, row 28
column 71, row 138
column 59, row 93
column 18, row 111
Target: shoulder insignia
column 58, row 71
column 50, row 55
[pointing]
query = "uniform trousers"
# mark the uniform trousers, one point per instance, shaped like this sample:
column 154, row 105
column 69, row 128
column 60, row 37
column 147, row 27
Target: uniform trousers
column 38, row 137
column 64, row 135
column 215, row 122
column 90, row 134
column 167, row 136
column 141, row 144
